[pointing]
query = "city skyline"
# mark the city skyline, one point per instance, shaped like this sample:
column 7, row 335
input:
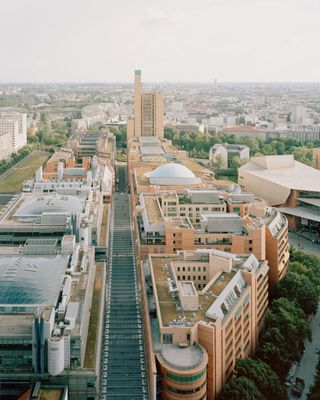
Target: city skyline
column 247, row 41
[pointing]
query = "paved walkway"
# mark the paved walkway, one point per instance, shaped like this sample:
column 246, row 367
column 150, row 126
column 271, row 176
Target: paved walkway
column 305, row 244
column 309, row 360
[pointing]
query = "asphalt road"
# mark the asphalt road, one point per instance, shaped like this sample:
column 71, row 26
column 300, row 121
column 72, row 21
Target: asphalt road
column 121, row 178
column 309, row 360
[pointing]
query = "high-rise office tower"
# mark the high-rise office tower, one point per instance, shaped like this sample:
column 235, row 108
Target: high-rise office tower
column 148, row 111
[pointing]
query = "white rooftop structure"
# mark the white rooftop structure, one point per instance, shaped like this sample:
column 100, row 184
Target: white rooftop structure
column 53, row 203
column 173, row 174
column 273, row 177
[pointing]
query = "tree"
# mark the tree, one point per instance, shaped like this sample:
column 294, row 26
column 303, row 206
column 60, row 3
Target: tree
column 290, row 319
column 218, row 162
column 300, row 288
column 280, row 147
column 273, row 351
column 265, row 379
column 237, row 162
column 305, row 270
column 303, row 154
column 240, row 389
column 311, row 261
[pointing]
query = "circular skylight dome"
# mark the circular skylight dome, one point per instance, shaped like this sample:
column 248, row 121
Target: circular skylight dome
column 172, row 174
column 171, row 170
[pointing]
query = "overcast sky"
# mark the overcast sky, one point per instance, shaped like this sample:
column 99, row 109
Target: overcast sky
column 170, row 40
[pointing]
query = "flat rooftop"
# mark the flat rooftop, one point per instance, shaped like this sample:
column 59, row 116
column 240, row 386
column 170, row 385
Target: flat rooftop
column 169, row 306
column 29, row 207
column 16, row 324
column 54, row 203
column 182, row 357
column 153, row 210
column 187, row 288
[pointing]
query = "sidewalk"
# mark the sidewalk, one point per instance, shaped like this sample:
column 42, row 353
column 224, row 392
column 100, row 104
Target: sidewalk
column 309, row 359
column 308, row 363
column 305, row 244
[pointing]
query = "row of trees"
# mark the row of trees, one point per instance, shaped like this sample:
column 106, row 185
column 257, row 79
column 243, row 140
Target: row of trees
column 15, row 158
column 294, row 299
column 198, row 144
column 254, row 380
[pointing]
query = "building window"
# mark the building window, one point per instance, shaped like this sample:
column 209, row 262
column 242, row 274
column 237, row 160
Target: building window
column 167, row 338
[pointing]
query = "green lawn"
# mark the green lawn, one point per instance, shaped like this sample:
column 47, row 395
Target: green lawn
column 13, row 182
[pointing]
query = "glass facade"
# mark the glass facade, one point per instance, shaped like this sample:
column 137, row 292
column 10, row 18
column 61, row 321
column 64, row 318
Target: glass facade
column 179, row 378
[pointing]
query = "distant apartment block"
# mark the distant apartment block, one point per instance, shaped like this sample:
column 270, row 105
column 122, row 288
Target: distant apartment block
column 13, row 133
column 148, row 112
column 305, row 134
column 203, row 309
column 226, row 153
column 93, row 142
column 245, row 131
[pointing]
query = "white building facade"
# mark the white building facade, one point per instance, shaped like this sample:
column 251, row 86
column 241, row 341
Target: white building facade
column 13, row 132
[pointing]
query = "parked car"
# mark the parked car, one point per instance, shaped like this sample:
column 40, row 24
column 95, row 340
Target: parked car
column 290, row 375
column 298, row 387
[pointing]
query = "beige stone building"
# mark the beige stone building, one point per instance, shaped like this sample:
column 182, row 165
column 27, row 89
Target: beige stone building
column 148, row 111
column 178, row 205
column 237, row 223
column 290, row 185
column 203, row 310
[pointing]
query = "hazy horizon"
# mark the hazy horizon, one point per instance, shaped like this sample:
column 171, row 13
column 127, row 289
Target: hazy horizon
column 180, row 41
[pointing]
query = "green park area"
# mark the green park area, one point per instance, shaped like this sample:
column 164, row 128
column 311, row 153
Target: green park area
column 26, row 169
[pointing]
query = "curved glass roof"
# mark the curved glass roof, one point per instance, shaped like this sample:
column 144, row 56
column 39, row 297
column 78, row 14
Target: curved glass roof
column 30, row 280
column 172, row 170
